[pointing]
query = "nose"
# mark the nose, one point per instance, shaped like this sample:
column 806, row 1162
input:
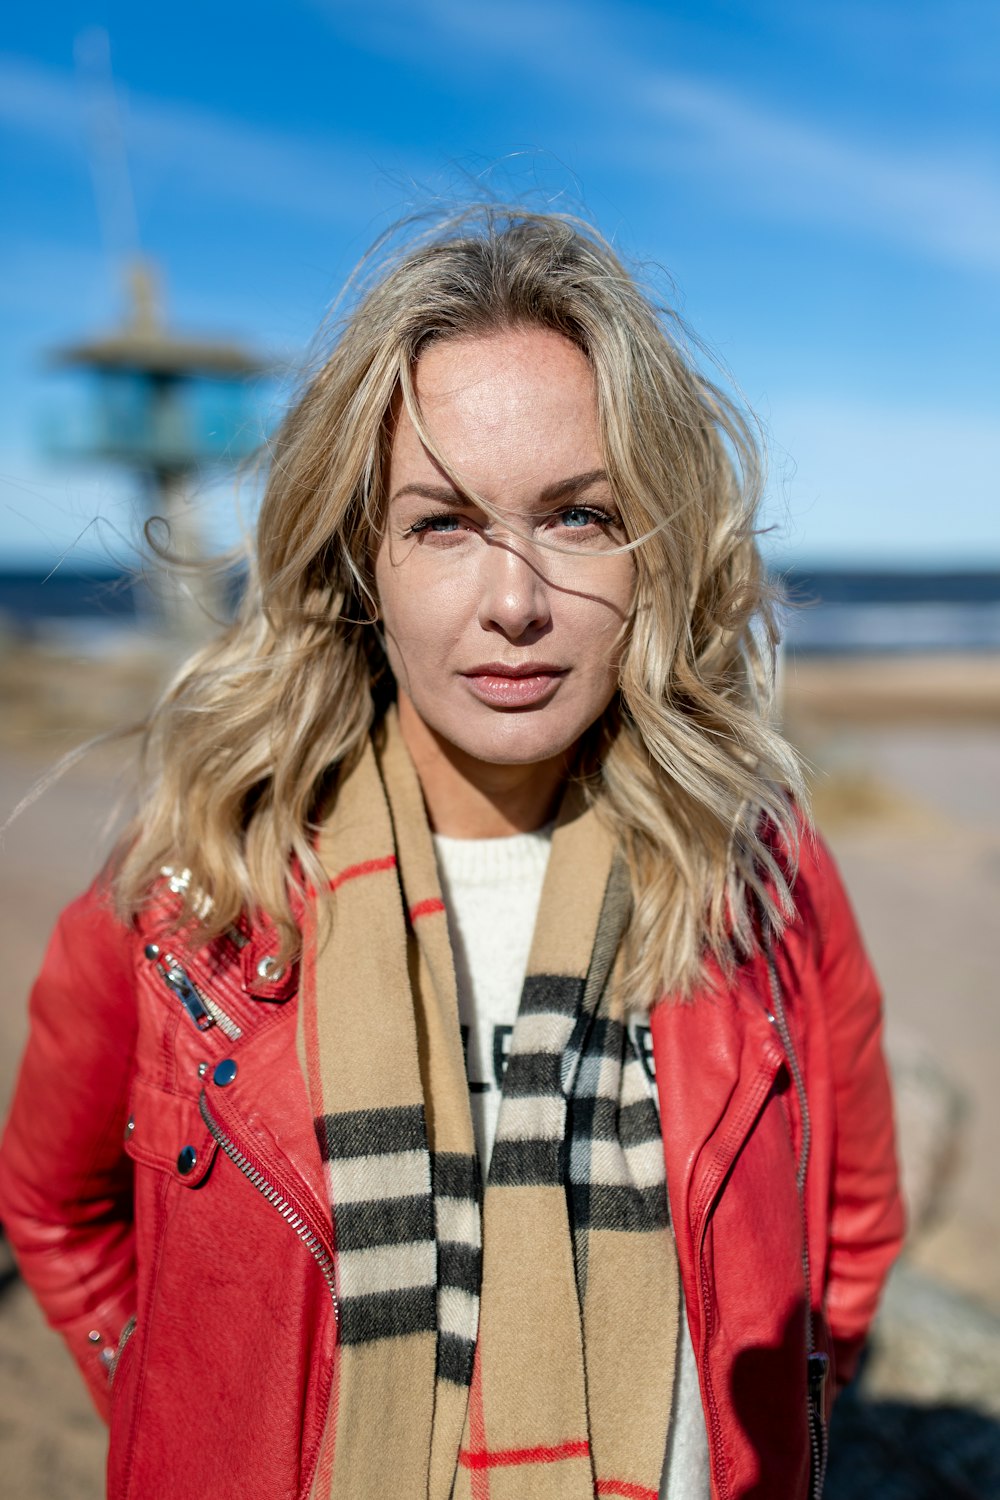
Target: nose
column 514, row 595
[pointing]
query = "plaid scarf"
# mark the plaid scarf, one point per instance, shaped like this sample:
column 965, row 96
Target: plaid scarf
column 503, row 1344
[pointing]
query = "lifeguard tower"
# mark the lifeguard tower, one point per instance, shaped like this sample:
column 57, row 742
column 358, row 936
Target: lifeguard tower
column 170, row 407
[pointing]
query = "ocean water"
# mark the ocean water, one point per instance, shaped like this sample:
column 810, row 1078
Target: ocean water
column 832, row 611
column 865, row 610
column 29, row 597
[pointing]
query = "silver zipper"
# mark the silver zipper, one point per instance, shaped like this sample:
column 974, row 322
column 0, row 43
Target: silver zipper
column 291, row 1216
column 203, row 1010
column 817, row 1364
column 123, row 1339
column 225, row 1023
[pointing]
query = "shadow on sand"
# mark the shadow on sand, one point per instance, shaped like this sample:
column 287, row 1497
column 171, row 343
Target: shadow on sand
column 901, row 1450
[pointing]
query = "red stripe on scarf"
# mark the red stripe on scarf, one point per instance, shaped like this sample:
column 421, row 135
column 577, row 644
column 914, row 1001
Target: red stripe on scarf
column 479, row 1479
column 626, row 1490
column 508, row 1458
column 369, row 867
column 426, row 908
column 311, row 1026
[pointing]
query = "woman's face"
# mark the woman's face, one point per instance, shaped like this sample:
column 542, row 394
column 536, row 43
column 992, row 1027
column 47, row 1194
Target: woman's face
column 505, row 649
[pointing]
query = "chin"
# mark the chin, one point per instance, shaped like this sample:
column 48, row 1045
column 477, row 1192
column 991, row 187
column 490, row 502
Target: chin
column 513, row 739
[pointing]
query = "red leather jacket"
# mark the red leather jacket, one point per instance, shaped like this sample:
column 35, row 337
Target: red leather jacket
column 173, row 1210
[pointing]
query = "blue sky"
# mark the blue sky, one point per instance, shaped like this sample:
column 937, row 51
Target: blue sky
column 821, row 181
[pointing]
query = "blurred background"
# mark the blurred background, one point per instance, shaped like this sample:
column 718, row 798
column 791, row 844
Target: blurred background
column 817, row 189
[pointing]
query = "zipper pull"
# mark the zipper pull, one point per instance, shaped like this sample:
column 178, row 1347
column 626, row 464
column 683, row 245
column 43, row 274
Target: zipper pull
column 817, row 1369
column 178, row 981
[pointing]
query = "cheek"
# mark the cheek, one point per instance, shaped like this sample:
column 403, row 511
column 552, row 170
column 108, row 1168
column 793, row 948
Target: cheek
column 601, row 623
column 417, row 612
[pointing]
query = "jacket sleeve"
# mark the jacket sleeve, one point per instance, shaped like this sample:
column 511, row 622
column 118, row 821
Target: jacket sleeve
column 866, row 1211
column 65, row 1181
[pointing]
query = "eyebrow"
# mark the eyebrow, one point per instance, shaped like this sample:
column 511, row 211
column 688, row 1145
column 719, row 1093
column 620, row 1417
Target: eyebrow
column 562, row 489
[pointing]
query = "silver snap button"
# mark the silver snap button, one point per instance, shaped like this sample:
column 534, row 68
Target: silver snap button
column 129, row 1126
column 151, row 951
column 270, row 969
column 202, row 1069
column 186, row 1160
column 93, row 1336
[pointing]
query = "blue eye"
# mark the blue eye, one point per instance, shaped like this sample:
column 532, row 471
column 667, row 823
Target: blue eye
column 578, row 516
column 440, row 522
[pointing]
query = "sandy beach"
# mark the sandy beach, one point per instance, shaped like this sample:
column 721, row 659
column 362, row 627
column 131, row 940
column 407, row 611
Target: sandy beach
column 906, row 759
column 906, row 775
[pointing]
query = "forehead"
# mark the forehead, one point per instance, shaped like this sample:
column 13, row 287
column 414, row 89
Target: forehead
column 501, row 409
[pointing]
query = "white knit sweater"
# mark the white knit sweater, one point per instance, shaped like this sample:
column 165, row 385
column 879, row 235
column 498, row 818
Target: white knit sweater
column 491, row 888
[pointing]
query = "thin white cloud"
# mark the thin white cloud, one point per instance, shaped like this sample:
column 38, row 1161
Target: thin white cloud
column 39, row 100
column 936, row 199
column 955, row 44
column 182, row 148
column 929, row 200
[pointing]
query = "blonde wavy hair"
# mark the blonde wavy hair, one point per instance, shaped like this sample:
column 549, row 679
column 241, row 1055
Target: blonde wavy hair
column 243, row 750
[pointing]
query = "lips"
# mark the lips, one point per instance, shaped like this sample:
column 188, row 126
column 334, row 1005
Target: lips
column 509, row 685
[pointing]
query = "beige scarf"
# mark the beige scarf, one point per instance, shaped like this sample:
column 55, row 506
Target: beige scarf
column 517, row 1342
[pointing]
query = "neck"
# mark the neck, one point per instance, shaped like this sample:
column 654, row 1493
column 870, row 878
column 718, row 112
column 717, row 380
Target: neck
column 471, row 799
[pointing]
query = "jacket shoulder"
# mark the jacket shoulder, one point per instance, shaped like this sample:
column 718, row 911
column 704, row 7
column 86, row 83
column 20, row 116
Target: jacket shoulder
column 820, row 907
column 823, row 909
column 90, row 942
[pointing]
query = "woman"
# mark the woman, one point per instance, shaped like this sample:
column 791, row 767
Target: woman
column 337, row 1155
